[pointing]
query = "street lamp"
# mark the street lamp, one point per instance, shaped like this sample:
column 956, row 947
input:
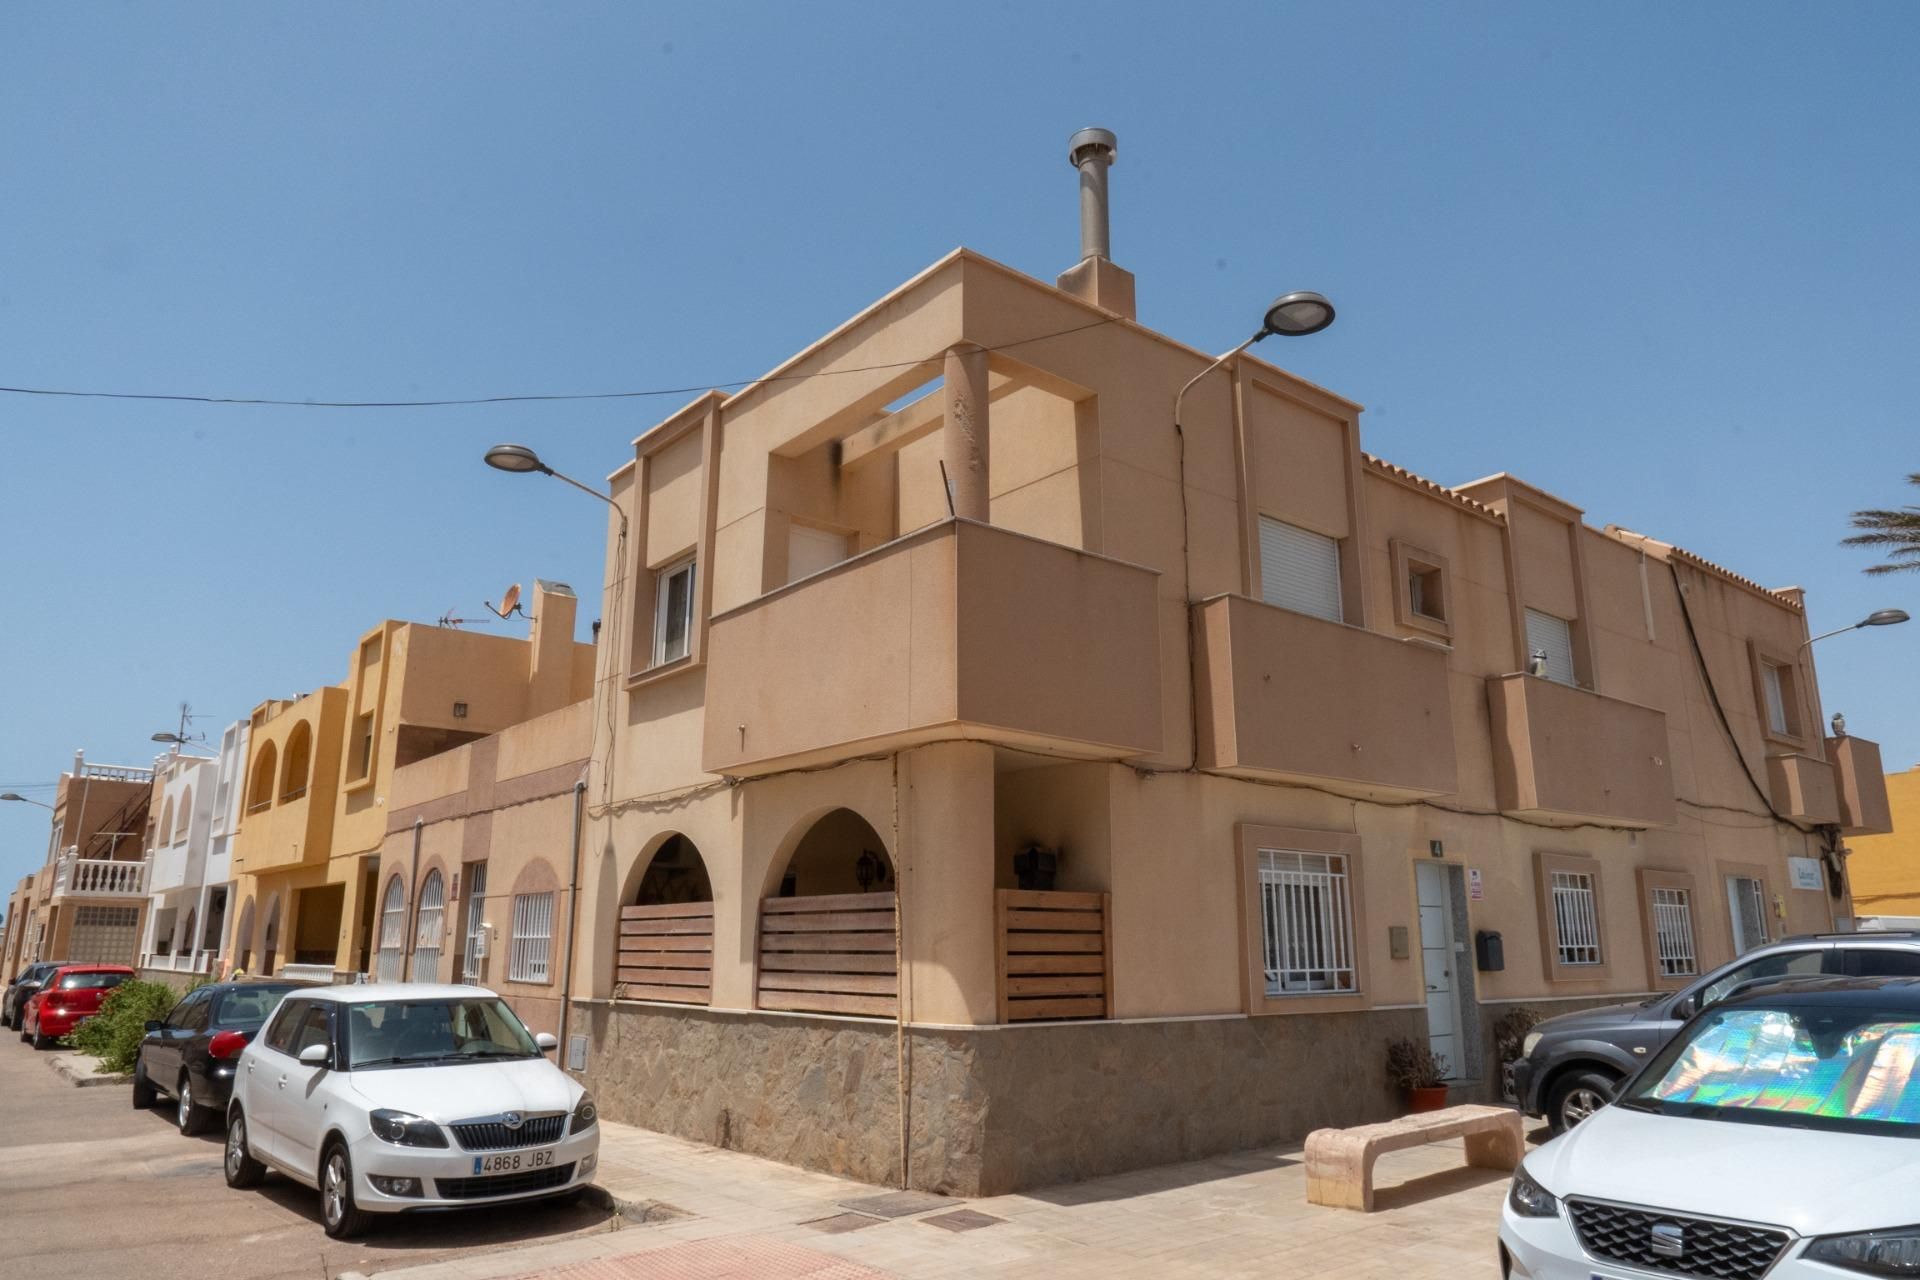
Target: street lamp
column 518, row 459
column 178, row 740
column 1291, row 315
column 18, row 798
column 1878, row 618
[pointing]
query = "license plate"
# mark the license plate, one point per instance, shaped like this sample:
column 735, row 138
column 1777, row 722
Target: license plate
column 512, row 1162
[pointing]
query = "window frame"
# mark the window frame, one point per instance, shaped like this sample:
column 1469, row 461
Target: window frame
column 519, row 956
column 662, row 591
column 1652, row 880
column 1793, row 701
column 473, row 906
column 1572, row 681
column 1340, row 602
column 1251, row 840
column 1548, row 863
column 1775, row 928
column 1409, row 560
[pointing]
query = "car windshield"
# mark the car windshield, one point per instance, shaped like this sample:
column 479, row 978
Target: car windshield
column 245, row 1008
column 1801, row 1066
column 393, row 1033
column 92, row 981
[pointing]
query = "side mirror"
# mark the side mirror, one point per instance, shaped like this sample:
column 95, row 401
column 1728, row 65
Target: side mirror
column 1684, row 1009
column 546, row 1041
column 315, row 1055
column 154, row 1024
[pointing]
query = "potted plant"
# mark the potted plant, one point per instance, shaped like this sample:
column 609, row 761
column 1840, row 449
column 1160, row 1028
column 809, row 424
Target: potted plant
column 1419, row 1071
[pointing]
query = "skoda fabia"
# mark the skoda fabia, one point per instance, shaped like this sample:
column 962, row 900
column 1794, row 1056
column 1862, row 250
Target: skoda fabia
column 400, row 1097
column 1777, row 1135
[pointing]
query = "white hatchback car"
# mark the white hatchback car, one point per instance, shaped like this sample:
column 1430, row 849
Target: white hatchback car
column 397, row 1097
column 1777, row 1135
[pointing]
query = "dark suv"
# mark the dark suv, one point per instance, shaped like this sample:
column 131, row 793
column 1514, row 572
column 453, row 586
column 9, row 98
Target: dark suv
column 23, row 988
column 1572, row 1064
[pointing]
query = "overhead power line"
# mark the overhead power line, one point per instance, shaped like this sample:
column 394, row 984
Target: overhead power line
column 539, row 397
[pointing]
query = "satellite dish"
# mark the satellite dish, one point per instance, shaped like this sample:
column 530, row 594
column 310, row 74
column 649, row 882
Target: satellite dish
column 509, row 602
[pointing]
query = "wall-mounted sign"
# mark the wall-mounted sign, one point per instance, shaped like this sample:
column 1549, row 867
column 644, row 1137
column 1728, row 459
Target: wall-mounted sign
column 1804, row 873
column 1475, row 889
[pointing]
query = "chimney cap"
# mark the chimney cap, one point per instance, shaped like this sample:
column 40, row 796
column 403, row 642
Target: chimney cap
column 1101, row 139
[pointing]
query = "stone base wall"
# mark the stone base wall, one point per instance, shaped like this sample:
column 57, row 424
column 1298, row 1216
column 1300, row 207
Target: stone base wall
column 991, row 1109
column 178, row 981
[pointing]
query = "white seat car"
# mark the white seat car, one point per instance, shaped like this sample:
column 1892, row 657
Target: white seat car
column 1777, row 1135
column 397, row 1097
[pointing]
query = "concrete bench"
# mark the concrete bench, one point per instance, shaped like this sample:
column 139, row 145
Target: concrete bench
column 1340, row 1161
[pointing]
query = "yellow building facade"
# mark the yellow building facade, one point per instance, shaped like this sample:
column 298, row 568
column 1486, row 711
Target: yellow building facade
column 1885, row 869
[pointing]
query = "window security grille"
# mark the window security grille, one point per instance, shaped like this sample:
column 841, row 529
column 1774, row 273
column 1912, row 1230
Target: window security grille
column 1299, row 569
column 429, row 926
column 472, row 956
column 1306, row 919
column 532, row 932
column 1673, row 933
column 393, row 934
column 1576, row 918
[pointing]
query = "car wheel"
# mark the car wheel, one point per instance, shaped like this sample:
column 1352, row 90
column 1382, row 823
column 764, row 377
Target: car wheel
column 241, row 1168
column 143, row 1093
column 188, row 1113
column 1578, row 1095
column 338, row 1214
column 41, row 1040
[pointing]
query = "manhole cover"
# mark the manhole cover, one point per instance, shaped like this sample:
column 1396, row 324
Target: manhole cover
column 898, row 1204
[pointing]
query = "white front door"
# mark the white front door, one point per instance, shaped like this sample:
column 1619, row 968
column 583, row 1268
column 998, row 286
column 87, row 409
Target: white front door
column 1437, row 962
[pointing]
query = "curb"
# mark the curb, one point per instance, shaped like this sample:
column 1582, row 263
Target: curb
column 77, row 1070
column 629, row 1210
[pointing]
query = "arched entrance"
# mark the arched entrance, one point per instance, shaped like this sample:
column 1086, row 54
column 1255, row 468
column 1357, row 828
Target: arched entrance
column 429, row 927
column 243, row 937
column 270, row 945
column 829, row 941
column 393, row 932
column 664, row 950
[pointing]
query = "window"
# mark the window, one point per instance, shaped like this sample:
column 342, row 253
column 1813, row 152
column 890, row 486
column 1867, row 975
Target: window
column 299, row 762
column 1773, row 680
column 1747, row 904
column 192, row 1014
column 1550, row 641
column 428, row 927
column 532, row 932
column 260, row 786
column 1873, row 962
column 1424, row 596
column 315, row 1028
column 1576, row 918
column 473, row 961
column 393, row 933
column 1805, row 963
column 362, row 747
column 673, row 613
column 1306, row 919
column 810, row 550
column 1673, row 933
column 186, row 816
column 1299, row 569
column 1422, row 599
column 280, row 1033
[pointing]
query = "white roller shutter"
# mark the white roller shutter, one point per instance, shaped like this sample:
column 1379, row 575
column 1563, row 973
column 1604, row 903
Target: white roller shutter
column 1299, row 569
column 1553, row 637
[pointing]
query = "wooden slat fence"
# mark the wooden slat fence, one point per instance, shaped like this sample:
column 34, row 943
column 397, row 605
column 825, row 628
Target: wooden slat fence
column 1055, row 951
column 666, row 953
column 833, row 953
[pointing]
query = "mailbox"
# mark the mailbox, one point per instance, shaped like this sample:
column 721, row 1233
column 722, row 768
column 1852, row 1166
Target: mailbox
column 1488, row 953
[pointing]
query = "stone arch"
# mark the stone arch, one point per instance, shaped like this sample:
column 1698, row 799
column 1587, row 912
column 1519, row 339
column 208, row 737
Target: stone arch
column 163, row 833
column 429, row 926
column 294, row 773
column 270, row 940
column 186, row 817
column 390, row 958
column 192, row 944
column 260, row 785
column 834, row 850
column 243, row 937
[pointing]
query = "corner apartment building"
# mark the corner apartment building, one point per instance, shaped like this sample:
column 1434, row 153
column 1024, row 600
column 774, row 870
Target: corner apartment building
column 997, row 785
column 1885, row 869
column 195, row 814
column 88, row 902
column 322, row 770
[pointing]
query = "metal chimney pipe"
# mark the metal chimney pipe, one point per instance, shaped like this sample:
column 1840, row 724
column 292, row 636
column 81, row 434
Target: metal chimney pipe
column 1091, row 151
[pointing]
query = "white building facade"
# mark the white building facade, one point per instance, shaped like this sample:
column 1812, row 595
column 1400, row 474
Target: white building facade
column 195, row 813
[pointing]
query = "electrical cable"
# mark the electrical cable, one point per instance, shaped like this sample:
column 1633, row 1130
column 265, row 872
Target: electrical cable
column 542, row 397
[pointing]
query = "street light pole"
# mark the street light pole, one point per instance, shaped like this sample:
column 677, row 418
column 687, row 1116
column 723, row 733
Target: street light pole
column 1878, row 618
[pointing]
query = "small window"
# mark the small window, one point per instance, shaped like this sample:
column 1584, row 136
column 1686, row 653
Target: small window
column 1576, row 918
column 1774, row 681
column 193, row 1014
column 362, row 747
column 1423, row 592
column 673, row 613
column 1549, row 646
column 1747, row 904
column 1306, row 919
column 1299, row 569
column 315, row 1028
column 811, row 551
column 280, row 1032
column 532, row 936
column 1673, row 933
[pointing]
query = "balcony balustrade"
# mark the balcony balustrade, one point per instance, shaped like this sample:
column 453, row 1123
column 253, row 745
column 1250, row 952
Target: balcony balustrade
column 1861, row 786
column 1574, row 755
column 1803, row 788
column 77, row 877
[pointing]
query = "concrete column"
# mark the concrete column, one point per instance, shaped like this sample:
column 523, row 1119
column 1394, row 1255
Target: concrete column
column 964, row 440
column 946, row 883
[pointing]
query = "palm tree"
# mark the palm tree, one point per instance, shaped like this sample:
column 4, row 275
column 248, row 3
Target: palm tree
column 1898, row 531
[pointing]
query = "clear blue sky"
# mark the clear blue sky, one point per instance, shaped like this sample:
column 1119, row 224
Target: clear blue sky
column 1661, row 260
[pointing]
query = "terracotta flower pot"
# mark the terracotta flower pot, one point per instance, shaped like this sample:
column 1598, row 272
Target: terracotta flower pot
column 1431, row 1098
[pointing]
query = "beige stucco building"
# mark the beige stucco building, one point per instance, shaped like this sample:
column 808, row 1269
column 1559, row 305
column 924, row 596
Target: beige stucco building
column 1319, row 752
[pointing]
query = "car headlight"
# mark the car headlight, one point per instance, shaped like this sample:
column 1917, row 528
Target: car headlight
column 1873, row 1253
column 584, row 1114
column 1531, row 1200
column 1531, row 1043
column 405, row 1129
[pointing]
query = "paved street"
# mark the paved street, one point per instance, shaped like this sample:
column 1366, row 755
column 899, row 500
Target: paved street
column 94, row 1189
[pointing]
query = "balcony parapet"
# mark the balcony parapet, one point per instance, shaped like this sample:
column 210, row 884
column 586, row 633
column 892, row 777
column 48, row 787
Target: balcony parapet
column 1861, row 786
column 1567, row 754
column 1803, row 788
column 75, row 877
column 1289, row 696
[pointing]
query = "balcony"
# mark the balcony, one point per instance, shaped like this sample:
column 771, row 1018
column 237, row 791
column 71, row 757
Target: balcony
column 172, row 867
column 77, row 877
column 960, row 630
column 1288, row 696
column 1567, row 754
column 1861, row 787
column 1803, row 788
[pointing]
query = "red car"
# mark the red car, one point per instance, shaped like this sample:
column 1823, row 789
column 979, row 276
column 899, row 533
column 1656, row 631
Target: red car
column 71, row 996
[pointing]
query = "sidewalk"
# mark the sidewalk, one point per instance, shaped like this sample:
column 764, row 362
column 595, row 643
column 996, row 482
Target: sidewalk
column 700, row 1213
